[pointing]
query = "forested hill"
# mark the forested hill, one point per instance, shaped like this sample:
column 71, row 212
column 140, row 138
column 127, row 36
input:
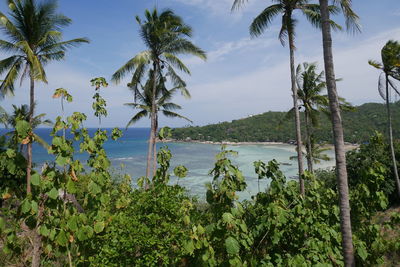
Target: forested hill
column 271, row 126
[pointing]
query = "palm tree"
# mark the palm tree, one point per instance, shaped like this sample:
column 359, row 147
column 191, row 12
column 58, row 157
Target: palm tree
column 317, row 152
column 163, row 105
column 390, row 62
column 340, row 153
column 22, row 113
column 310, row 86
column 165, row 36
column 34, row 38
column 287, row 33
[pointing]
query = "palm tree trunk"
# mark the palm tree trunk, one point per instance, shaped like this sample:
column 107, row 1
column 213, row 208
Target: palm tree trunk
column 29, row 152
column 155, row 144
column 296, row 112
column 152, row 124
column 396, row 174
column 341, row 171
column 308, row 136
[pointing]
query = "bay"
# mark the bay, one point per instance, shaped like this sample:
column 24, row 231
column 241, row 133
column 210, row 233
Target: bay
column 128, row 155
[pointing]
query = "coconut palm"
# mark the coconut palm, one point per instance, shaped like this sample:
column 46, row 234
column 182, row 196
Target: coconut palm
column 310, row 86
column 23, row 113
column 33, row 38
column 162, row 104
column 390, row 55
column 352, row 25
column 317, row 152
column 165, row 36
column 285, row 8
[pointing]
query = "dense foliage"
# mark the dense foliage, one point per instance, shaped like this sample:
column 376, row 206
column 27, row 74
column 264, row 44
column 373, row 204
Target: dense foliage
column 359, row 125
column 74, row 212
column 85, row 217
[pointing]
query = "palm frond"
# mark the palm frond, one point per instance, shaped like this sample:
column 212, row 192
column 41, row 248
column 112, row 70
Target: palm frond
column 375, row 64
column 237, row 4
column 141, row 114
column 264, row 19
column 352, row 19
column 139, row 60
column 382, row 85
column 7, row 86
column 171, row 114
column 176, row 62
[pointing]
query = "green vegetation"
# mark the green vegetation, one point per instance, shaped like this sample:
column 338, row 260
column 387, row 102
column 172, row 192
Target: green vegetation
column 76, row 213
column 390, row 54
column 358, row 125
column 86, row 218
column 35, row 39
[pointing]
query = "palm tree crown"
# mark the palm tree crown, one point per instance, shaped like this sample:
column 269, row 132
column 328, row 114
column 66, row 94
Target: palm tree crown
column 163, row 104
column 285, row 8
column 33, row 39
column 165, row 36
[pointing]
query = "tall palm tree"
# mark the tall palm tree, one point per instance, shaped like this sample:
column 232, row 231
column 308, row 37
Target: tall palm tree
column 34, row 38
column 23, row 113
column 285, row 8
column 165, row 36
column 162, row 104
column 337, row 126
column 317, row 152
column 390, row 55
column 310, row 86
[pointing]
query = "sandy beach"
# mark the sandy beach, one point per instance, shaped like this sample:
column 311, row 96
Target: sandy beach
column 347, row 146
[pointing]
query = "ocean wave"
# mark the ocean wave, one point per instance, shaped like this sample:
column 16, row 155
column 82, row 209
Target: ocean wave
column 123, row 158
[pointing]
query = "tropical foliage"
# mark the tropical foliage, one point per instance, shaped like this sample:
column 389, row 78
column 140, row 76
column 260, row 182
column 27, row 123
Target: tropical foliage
column 390, row 69
column 73, row 211
column 272, row 126
column 34, row 38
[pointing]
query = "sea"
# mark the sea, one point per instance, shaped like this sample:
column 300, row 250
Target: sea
column 128, row 156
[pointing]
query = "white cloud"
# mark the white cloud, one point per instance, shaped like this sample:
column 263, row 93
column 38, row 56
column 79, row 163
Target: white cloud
column 226, row 49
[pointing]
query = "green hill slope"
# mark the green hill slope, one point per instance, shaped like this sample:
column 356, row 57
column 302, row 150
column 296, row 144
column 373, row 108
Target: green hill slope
column 271, row 126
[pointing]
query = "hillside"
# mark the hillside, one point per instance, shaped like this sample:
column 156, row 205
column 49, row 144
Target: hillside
column 271, row 126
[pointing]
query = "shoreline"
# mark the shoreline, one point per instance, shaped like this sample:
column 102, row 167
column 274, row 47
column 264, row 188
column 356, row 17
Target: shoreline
column 347, row 146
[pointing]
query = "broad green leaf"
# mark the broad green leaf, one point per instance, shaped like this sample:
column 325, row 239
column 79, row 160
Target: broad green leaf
column 99, row 227
column 362, row 252
column 72, row 223
column 94, row 188
column 44, row 231
column 34, row 206
column 186, row 219
column 71, row 188
column 10, row 153
column 232, row 246
column 189, row 246
column 35, row 179
column 62, row 239
column 227, row 217
column 61, row 161
column 53, row 193
column 26, row 206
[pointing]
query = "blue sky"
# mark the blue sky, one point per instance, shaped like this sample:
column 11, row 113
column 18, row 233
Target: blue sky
column 243, row 75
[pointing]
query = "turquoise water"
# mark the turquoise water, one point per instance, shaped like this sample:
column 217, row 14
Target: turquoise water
column 130, row 153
